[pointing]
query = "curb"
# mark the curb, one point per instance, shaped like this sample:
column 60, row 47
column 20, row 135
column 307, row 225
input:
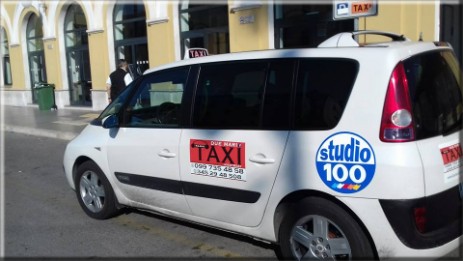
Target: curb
column 40, row 132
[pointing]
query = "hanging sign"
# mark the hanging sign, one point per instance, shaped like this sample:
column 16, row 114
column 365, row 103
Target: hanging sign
column 348, row 9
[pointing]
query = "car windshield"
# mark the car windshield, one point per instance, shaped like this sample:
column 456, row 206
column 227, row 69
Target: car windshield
column 115, row 106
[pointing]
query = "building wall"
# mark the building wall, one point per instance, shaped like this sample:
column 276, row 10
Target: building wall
column 161, row 39
column 249, row 29
column 411, row 19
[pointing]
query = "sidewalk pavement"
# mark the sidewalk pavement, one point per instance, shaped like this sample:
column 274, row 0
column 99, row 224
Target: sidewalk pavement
column 64, row 123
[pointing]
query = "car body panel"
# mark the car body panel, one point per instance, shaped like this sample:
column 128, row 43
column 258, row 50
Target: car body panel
column 348, row 163
column 153, row 156
column 260, row 163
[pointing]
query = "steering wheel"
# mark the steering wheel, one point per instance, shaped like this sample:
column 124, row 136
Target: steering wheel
column 165, row 112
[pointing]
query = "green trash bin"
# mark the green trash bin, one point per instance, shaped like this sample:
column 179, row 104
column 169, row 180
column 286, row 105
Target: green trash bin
column 45, row 96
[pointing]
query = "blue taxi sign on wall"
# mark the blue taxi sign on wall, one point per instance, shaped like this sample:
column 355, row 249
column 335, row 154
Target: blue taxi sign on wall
column 348, row 9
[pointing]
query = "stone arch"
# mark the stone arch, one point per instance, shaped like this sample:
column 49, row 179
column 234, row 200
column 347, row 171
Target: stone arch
column 60, row 15
column 5, row 22
column 22, row 16
column 97, row 22
column 3, row 75
column 61, row 7
column 157, row 11
column 50, row 19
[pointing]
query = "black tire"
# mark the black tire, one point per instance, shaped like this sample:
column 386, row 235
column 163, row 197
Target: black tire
column 94, row 193
column 336, row 237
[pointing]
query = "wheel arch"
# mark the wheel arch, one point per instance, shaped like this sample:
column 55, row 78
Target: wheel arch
column 294, row 198
column 77, row 163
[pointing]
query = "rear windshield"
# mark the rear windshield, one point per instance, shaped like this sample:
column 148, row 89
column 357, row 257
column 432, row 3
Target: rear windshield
column 434, row 80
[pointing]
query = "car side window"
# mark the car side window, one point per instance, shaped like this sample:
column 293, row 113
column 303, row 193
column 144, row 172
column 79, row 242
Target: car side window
column 158, row 100
column 323, row 89
column 277, row 98
column 229, row 95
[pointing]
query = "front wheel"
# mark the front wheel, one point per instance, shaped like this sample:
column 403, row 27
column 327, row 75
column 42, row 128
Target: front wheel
column 319, row 229
column 94, row 193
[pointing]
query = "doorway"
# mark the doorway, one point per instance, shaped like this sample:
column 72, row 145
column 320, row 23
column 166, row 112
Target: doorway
column 79, row 77
column 130, row 39
column 35, row 53
column 78, row 59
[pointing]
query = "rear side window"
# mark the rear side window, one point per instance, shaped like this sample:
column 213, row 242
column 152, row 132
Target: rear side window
column 323, row 89
column 244, row 95
column 435, row 90
column 229, row 95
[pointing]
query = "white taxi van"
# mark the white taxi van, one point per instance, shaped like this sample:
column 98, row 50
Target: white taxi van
column 343, row 151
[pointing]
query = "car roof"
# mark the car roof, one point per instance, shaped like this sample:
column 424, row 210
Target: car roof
column 400, row 47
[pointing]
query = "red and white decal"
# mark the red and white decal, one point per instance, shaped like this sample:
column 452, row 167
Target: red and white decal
column 221, row 159
column 452, row 159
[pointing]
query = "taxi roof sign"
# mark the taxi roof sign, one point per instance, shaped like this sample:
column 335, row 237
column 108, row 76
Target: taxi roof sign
column 196, row 52
column 348, row 9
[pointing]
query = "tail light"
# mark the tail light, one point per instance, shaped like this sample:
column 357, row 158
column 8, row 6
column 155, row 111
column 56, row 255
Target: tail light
column 397, row 120
column 419, row 214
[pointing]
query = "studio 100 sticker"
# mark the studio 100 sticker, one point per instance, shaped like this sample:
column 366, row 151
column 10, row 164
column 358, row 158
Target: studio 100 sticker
column 346, row 162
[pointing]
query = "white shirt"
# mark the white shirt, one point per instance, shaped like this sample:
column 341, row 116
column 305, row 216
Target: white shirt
column 127, row 79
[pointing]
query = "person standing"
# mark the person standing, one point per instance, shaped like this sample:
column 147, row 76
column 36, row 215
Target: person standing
column 118, row 80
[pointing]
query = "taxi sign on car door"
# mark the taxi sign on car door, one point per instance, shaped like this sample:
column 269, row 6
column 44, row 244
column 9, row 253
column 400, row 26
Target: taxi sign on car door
column 348, row 9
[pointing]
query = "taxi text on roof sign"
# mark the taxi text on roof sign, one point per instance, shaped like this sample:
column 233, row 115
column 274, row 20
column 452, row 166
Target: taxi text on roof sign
column 347, row 9
column 196, row 52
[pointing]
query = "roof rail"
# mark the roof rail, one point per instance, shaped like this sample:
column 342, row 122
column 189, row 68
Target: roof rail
column 347, row 39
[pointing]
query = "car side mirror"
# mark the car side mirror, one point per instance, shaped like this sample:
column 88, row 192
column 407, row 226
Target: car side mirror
column 112, row 121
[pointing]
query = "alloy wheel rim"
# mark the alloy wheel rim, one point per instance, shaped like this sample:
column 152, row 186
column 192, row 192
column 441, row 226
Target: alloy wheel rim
column 92, row 191
column 316, row 237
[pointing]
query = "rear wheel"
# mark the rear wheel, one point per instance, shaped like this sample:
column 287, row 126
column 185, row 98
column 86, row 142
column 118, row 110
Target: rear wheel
column 319, row 229
column 94, row 193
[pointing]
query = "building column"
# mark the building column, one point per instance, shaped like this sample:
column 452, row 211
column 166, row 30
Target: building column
column 160, row 36
column 18, row 94
column 99, row 67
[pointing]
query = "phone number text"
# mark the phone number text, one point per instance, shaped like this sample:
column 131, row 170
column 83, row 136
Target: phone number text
column 224, row 172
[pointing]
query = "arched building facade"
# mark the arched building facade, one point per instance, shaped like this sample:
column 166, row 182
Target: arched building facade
column 75, row 44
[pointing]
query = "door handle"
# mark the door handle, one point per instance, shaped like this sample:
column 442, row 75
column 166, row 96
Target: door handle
column 166, row 154
column 261, row 159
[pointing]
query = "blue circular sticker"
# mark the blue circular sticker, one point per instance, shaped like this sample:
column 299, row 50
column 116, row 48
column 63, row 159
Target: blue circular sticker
column 346, row 162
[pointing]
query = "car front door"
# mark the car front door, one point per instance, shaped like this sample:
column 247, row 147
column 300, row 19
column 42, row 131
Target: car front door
column 143, row 153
